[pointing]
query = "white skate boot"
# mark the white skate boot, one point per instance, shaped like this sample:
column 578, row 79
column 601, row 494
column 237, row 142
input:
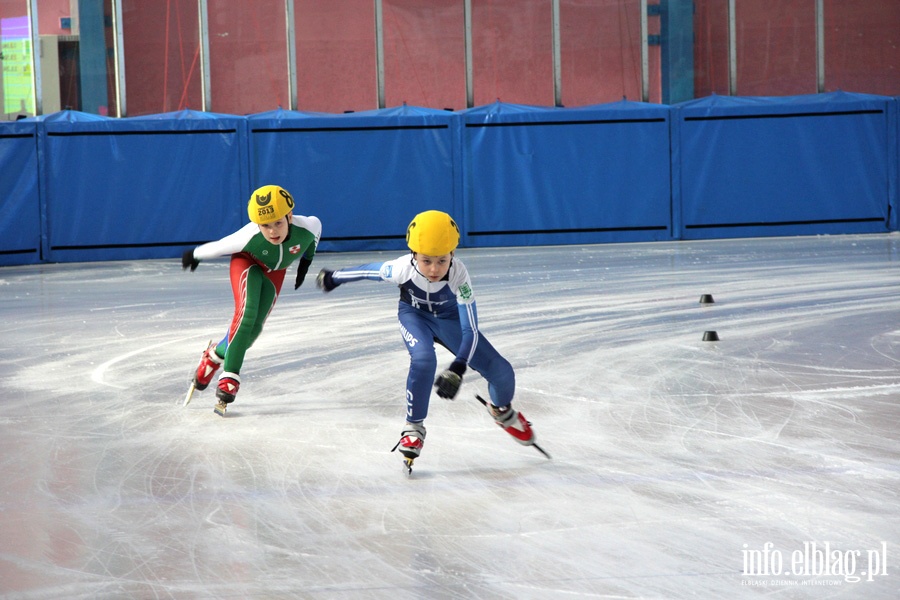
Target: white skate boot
column 229, row 384
column 412, row 439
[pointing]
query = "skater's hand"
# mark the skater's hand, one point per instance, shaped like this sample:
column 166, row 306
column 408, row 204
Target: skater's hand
column 448, row 382
column 325, row 282
column 188, row 260
column 302, row 268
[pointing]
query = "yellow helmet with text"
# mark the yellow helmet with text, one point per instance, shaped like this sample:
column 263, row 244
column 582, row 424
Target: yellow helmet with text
column 433, row 233
column 269, row 203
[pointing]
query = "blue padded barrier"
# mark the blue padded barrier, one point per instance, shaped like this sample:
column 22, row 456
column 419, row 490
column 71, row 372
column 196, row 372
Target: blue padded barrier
column 143, row 187
column 566, row 175
column 803, row 165
column 894, row 159
column 20, row 225
column 365, row 175
column 148, row 187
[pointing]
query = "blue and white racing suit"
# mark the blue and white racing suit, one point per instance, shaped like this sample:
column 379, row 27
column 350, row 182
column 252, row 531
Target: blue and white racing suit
column 442, row 312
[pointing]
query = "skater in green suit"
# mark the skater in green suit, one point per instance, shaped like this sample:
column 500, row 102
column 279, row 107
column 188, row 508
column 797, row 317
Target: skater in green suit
column 261, row 252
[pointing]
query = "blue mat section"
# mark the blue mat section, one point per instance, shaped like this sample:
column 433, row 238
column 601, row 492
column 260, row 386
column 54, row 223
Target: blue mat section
column 566, row 176
column 783, row 166
column 20, row 221
column 145, row 187
column 365, row 175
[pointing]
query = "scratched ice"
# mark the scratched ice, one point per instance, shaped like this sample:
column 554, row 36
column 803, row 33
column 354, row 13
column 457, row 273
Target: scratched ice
column 681, row 468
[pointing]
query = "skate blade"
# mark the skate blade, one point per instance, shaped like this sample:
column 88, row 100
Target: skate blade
column 190, row 393
column 220, row 410
column 407, row 461
column 541, row 450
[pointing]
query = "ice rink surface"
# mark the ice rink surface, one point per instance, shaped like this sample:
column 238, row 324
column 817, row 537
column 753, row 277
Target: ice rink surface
column 766, row 464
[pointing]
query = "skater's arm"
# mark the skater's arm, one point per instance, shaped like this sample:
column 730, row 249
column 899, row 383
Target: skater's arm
column 468, row 315
column 370, row 271
column 468, row 320
column 314, row 226
column 327, row 279
column 227, row 245
column 392, row 270
column 448, row 382
column 302, row 269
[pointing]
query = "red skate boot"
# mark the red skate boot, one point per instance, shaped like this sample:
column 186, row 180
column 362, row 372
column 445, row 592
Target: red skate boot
column 514, row 423
column 209, row 364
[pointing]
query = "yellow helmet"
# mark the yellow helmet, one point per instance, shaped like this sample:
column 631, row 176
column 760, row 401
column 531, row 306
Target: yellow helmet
column 433, row 233
column 269, row 203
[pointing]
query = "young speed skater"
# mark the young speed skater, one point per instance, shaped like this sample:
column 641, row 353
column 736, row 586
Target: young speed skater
column 437, row 304
column 261, row 251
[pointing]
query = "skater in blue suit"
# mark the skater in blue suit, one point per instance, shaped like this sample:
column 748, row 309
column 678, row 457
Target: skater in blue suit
column 437, row 305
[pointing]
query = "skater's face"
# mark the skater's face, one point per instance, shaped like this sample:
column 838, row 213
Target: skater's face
column 276, row 232
column 433, row 267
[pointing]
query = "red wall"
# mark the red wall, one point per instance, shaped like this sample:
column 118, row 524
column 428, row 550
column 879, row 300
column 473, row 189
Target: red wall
column 424, row 52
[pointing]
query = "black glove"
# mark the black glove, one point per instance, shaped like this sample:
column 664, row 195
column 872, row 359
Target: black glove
column 302, row 268
column 448, row 382
column 325, row 281
column 188, row 260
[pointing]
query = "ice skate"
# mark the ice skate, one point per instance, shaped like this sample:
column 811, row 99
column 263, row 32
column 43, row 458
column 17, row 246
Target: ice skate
column 514, row 423
column 209, row 364
column 229, row 384
column 412, row 438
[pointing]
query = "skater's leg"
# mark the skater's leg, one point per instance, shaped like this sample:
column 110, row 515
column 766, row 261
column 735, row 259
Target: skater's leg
column 255, row 294
column 502, row 386
column 496, row 370
column 418, row 336
column 501, row 379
